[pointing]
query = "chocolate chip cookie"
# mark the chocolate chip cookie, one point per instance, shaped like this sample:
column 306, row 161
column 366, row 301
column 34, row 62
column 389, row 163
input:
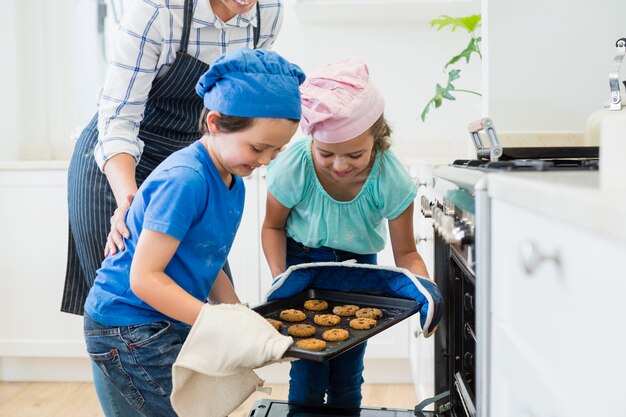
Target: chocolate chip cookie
column 311, row 344
column 292, row 315
column 301, row 330
column 315, row 305
column 346, row 310
column 335, row 335
column 369, row 313
column 362, row 323
column 275, row 323
column 326, row 319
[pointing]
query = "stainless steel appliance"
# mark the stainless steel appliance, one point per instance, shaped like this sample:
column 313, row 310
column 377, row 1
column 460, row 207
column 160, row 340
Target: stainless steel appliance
column 460, row 213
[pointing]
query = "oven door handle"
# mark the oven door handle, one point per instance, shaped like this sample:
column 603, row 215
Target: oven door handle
column 616, row 98
column 420, row 407
column 464, row 395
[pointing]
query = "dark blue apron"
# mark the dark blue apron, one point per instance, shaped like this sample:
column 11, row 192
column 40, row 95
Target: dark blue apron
column 170, row 123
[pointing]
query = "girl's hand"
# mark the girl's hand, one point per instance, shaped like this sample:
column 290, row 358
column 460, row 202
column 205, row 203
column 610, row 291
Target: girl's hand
column 115, row 241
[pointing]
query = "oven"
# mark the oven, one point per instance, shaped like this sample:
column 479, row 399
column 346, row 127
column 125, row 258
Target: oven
column 453, row 216
column 459, row 209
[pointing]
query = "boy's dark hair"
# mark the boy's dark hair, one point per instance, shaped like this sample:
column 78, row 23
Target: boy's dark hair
column 228, row 124
column 381, row 131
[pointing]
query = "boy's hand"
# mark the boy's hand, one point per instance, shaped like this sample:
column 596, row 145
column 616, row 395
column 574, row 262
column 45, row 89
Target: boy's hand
column 115, row 239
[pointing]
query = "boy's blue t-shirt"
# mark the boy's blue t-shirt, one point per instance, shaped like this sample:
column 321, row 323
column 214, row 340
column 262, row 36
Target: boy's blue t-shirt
column 316, row 219
column 186, row 198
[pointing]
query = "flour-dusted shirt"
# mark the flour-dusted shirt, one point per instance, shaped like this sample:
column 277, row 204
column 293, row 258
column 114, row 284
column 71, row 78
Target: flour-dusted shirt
column 316, row 219
column 145, row 48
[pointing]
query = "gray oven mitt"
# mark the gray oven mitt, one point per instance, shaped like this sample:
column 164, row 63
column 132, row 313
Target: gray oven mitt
column 352, row 276
column 213, row 372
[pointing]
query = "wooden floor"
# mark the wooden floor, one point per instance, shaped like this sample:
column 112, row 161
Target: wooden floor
column 78, row 399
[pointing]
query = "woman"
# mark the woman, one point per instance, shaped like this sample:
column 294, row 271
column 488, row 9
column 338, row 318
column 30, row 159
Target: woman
column 148, row 110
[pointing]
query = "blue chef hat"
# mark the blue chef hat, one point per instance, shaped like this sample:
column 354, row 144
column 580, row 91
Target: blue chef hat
column 252, row 83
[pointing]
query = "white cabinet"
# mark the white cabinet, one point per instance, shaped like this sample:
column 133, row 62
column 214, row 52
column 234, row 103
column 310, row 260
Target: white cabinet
column 393, row 343
column 244, row 256
column 33, row 220
column 557, row 335
column 422, row 350
column 251, row 273
column 264, row 269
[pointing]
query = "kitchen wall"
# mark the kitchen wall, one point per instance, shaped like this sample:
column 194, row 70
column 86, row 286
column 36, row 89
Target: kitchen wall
column 58, row 66
column 545, row 67
column 546, row 64
column 8, row 75
column 405, row 56
column 37, row 78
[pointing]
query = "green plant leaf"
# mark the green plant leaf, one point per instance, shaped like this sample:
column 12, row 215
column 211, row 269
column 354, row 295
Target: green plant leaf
column 454, row 74
column 471, row 48
column 469, row 23
column 441, row 93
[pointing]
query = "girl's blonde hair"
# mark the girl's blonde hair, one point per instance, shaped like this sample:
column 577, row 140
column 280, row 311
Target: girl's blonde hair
column 381, row 131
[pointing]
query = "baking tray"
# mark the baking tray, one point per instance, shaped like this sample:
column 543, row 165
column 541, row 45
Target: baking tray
column 394, row 310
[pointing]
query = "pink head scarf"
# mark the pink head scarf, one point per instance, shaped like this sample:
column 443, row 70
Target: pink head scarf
column 339, row 102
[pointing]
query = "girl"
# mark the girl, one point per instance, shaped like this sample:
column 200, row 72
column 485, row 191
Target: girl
column 328, row 199
column 182, row 223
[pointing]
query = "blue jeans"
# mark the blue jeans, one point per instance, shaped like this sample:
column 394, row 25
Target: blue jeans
column 111, row 400
column 137, row 361
column 339, row 379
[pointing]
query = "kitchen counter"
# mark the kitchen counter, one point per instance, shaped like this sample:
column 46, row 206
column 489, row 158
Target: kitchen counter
column 34, row 165
column 570, row 196
column 424, row 161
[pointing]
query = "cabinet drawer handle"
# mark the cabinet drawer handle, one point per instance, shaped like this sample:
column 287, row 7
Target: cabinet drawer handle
column 531, row 257
column 419, row 239
column 428, row 183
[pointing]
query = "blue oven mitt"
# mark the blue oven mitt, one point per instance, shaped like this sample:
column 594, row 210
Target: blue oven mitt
column 351, row 276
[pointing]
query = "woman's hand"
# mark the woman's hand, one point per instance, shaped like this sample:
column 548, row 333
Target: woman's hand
column 115, row 239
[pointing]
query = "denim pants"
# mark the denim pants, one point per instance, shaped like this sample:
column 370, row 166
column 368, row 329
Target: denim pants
column 339, row 379
column 138, row 361
column 112, row 402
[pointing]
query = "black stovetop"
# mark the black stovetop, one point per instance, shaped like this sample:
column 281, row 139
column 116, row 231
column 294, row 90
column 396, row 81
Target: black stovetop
column 590, row 164
column 538, row 159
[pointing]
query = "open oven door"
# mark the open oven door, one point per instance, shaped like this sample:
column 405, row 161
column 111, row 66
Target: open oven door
column 275, row 408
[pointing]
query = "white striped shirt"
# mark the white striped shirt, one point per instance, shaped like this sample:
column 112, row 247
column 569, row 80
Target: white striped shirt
column 145, row 47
